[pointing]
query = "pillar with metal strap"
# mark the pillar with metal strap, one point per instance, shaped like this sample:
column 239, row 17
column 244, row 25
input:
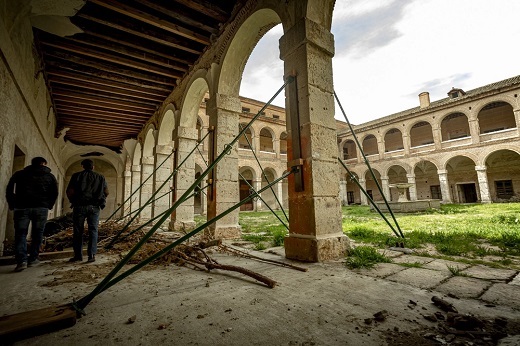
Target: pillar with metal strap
column 406, row 143
column 445, row 186
column 474, row 130
column 412, row 189
column 437, row 136
column 162, row 173
column 224, row 112
column 135, row 200
column 257, row 183
column 483, row 184
column 185, row 141
column 147, row 168
column 315, row 229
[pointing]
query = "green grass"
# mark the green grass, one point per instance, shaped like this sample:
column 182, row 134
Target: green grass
column 465, row 231
column 365, row 257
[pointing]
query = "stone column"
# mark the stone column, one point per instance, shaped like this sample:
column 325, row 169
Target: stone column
column 185, row 140
column 257, row 183
column 362, row 196
column 163, row 171
column 412, row 189
column 280, row 195
column 381, row 148
column 147, row 168
column 315, row 229
column 406, row 143
column 483, row 184
column 343, row 192
column 127, row 191
column 359, row 157
column 445, row 186
column 517, row 120
column 276, row 147
column 385, row 187
column 224, row 112
column 437, row 136
column 255, row 142
column 135, row 200
column 474, row 130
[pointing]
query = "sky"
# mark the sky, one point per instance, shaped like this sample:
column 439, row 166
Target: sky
column 388, row 52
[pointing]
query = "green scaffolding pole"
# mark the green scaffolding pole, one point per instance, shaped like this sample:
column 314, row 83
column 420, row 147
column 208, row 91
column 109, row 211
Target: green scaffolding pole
column 368, row 165
column 83, row 302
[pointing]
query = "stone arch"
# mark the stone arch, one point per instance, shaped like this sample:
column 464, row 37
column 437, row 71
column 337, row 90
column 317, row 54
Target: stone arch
column 496, row 116
column 371, row 186
column 421, row 133
column 369, row 145
column 240, row 48
column 454, row 126
column 246, row 140
column 393, row 140
column 266, row 139
column 427, row 184
column 396, row 174
column 349, row 150
column 199, row 126
column 248, row 174
column 136, row 158
column 269, row 195
column 167, row 125
column 462, row 179
column 503, row 174
column 193, row 97
column 149, row 143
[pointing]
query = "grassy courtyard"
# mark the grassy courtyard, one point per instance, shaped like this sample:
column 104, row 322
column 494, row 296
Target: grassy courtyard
column 477, row 233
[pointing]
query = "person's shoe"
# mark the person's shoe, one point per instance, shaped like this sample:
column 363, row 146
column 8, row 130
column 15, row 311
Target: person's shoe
column 20, row 267
column 75, row 259
column 34, row 262
column 91, row 259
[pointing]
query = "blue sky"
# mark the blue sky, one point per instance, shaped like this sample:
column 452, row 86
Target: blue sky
column 387, row 52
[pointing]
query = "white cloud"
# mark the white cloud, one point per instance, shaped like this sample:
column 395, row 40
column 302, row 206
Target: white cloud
column 387, row 53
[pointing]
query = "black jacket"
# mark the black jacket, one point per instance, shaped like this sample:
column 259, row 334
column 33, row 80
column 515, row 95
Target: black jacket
column 87, row 188
column 32, row 187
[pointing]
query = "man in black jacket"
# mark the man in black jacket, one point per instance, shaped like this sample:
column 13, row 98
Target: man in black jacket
column 31, row 193
column 87, row 192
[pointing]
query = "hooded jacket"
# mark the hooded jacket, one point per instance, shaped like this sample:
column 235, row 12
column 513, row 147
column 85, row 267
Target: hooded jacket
column 32, row 187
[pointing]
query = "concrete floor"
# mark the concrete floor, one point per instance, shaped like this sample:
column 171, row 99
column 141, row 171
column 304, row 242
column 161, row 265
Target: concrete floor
column 327, row 305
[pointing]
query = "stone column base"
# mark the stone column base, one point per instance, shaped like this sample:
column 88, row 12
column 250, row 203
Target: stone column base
column 316, row 250
column 181, row 226
column 229, row 232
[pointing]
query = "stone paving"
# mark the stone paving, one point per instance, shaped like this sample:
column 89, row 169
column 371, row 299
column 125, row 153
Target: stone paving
column 490, row 285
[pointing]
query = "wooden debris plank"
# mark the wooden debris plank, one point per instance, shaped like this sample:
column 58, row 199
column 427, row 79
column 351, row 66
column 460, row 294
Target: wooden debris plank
column 31, row 323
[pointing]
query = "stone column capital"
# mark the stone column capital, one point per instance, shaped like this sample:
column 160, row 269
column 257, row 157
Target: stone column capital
column 442, row 171
column 480, row 168
column 163, row 149
column 147, row 161
column 306, row 31
column 136, row 168
column 410, row 175
column 185, row 133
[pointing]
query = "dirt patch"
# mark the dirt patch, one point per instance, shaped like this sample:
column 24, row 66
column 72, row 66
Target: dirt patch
column 82, row 274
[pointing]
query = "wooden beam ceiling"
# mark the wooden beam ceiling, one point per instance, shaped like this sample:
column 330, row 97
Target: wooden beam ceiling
column 107, row 81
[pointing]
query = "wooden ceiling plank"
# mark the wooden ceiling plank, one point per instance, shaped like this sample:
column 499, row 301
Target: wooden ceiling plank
column 205, row 7
column 106, row 81
column 149, row 58
column 104, row 125
column 178, row 16
column 161, row 40
column 111, row 58
column 57, row 90
column 130, row 115
column 66, row 111
column 104, row 89
column 101, row 103
column 137, row 46
column 126, row 10
column 78, row 61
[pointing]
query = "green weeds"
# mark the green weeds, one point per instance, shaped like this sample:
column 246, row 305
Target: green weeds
column 365, row 257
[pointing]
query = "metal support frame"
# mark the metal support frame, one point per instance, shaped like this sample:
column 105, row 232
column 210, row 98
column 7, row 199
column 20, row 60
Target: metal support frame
column 108, row 282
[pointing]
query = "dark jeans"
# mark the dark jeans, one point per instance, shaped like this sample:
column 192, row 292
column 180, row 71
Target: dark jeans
column 22, row 218
column 80, row 214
